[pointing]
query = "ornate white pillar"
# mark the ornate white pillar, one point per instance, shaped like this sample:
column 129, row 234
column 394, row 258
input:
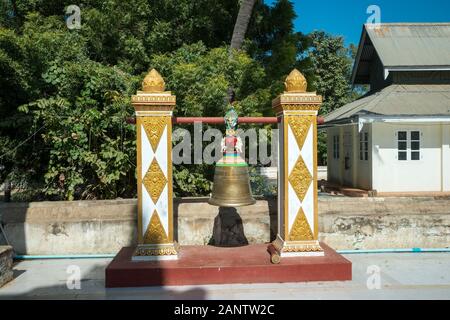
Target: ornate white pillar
column 154, row 109
column 297, row 179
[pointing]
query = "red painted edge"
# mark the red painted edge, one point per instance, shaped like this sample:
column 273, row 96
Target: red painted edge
column 200, row 265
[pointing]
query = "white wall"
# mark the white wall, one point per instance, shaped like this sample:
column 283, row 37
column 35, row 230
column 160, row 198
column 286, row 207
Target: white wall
column 348, row 151
column 364, row 167
column 359, row 175
column 446, row 157
column 392, row 175
column 333, row 165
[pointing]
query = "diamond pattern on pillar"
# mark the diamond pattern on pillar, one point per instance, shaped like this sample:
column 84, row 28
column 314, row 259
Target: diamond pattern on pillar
column 154, row 127
column 300, row 230
column 300, row 178
column 300, row 126
column 154, row 180
column 155, row 233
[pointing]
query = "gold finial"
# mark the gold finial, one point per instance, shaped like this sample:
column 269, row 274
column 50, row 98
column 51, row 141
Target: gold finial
column 153, row 82
column 295, row 82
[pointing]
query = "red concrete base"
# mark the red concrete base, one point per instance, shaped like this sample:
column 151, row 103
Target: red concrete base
column 214, row 265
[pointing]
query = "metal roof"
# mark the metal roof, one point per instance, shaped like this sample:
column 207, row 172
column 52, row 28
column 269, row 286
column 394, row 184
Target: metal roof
column 403, row 46
column 399, row 100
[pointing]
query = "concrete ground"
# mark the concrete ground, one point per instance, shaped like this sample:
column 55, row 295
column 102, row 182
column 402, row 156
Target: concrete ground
column 400, row 276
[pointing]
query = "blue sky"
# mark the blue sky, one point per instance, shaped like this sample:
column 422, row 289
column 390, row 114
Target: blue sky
column 346, row 17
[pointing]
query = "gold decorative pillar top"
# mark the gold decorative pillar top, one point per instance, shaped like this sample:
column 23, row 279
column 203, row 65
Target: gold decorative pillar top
column 297, row 194
column 295, row 97
column 154, row 108
column 153, row 82
column 153, row 97
column 295, row 82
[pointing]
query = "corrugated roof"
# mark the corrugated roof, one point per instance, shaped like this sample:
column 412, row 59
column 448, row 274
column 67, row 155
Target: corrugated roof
column 412, row 44
column 399, row 100
column 403, row 45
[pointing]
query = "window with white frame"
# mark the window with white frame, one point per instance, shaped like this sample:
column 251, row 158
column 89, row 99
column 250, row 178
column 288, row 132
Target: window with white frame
column 336, row 147
column 408, row 142
column 363, row 146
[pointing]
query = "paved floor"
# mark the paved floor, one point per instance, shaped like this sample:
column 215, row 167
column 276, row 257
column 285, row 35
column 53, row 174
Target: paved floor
column 401, row 276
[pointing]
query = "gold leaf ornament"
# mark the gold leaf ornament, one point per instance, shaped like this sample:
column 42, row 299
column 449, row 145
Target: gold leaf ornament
column 154, row 128
column 295, row 82
column 300, row 127
column 301, row 230
column 153, row 82
column 155, row 181
column 155, row 233
column 300, row 178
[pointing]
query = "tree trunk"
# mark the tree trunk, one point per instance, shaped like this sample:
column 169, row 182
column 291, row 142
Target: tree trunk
column 240, row 28
column 8, row 188
column 241, row 25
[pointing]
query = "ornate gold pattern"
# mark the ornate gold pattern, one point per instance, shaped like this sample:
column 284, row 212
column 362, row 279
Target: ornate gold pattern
column 145, row 110
column 303, row 246
column 154, row 128
column 154, row 180
column 297, row 98
column 295, row 82
column 315, row 187
column 153, row 82
column 169, row 180
column 157, row 250
column 300, row 178
column 154, row 108
column 155, row 233
column 298, row 110
column 296, row 107
column 139, row 176
column 155, row 100
column 301, row 230
column 300, row 127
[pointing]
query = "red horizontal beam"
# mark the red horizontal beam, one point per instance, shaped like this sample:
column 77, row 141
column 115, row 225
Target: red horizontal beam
column 220, row 120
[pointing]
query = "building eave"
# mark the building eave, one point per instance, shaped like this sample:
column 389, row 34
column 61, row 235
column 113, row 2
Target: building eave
column 338, row 122
column 362, row 40
column 404, row 118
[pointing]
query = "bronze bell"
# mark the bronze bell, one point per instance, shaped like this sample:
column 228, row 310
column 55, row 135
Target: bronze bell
column 231, row 186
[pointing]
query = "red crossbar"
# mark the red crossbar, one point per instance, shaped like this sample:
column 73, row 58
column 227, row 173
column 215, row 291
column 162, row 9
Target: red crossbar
column 220, row 120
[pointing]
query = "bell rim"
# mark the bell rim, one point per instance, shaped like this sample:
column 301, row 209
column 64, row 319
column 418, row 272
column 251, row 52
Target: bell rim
column 215, row 202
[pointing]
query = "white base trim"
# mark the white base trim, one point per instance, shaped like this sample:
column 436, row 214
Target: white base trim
column 154, row 258
column 302, row 254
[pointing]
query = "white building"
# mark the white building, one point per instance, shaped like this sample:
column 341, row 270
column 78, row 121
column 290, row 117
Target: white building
column 396, row 138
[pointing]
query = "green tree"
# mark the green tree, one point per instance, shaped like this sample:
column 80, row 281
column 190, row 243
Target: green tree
column 332, row 65
column 273, row 41
column 67, row 110
column 65, row 93
column 331, row 71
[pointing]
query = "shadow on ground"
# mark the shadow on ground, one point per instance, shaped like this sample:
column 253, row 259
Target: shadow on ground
column 64, row 286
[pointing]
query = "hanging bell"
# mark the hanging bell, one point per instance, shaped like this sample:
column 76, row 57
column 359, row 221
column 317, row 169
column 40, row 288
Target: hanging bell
column 231, row 186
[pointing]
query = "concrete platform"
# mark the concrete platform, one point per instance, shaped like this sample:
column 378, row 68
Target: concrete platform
column 199, row 265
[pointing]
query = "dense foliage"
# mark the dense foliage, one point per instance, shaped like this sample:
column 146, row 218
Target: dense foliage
column 66, row 93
